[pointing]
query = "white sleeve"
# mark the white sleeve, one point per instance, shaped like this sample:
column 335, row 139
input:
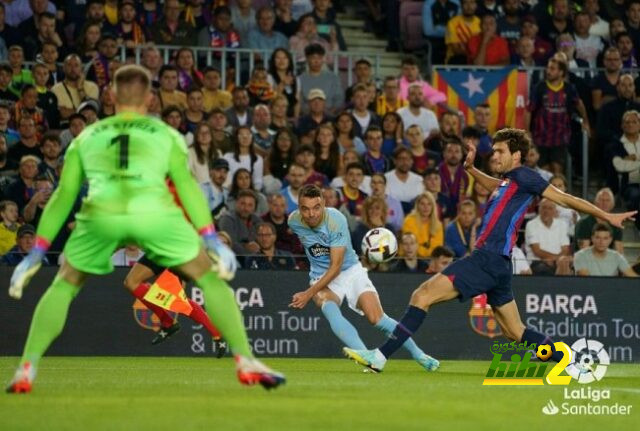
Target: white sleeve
column 622, row 165
column 258, row 173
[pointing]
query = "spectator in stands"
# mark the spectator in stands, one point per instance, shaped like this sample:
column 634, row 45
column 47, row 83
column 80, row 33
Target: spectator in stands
column 510, row 23
column 327, row 24
column 604, row 84
column 242, row 181
column 395, row 215
column 8, row 32
column 20, row 75
column 423, row 222
column 362, row 74
column 220, row 34
column 351, row 195
column 433, row 184
column 317, row 101
column 409, row 261
column 277, row 216
column 435, row 15
column 626, row 160
column 531, row 161
column 588, row 46
column 331, row 197
column 547, row 242
column 8, row 168
column 77, row 123
column 327, row 151
column 24, row 15
column 243, row 17
column 127, row 256
column 519, row 262
column 392, row 133
column 306, row 157
column 269, row 257
column 28, row 143
column 624, row 43
column 487, row 48
column 74, row 89
column 456, row 182
column 128, row 31
column 170, row 29
column 569, row 215
column 542, row 48
column 374, row 215
column 482, row 120
column 214, row 96
column 25, row 241
column 285, row 22
column 262, row 135
column 599, row 259
column 27, row 106
column 417, row 114
column 241, row 224
column 415, row 142
column 410, row 77
column 22, row 189
column 283, row 80
column 347, row 139
column 7, row 97
column 524, row 51
column 152, row 60
column 46, row 32
column 188, row 75
column 610, row 116
column 549, row 114
column 460, row 234
column 390, row 100
column 89, row 110
column 214, row 191
column 558, row 22
column 373, row 159
column 316, row 77
column 87, row 46
column 403, row 184
column 259, row 87
column 169, row 94
column 101, row 70
column 599, row 27
column 240, row 113
column 263, row 37
column 306, row 36
column 43, row 188
column 9, row 226
column 460, row 29
column 296, row 178
column 50, row 148
column 441, row 257
column 244, row 156
column 219, row 129
column 201, row 152
column 46, row 100
column 281, row 155
column 360, row 112
column 449, row 128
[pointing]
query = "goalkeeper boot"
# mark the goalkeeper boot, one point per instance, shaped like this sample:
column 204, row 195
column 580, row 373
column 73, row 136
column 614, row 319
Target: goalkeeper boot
column 22, row 380
column 428, row 363
column 372, row 359
column 251, row 371
column 164, row 333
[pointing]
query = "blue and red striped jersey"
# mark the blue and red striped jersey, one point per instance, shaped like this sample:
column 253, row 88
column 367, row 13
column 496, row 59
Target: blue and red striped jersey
column 506, row 209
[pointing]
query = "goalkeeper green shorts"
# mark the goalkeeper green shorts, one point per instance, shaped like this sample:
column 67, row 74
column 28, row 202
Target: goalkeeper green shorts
column 167, row 239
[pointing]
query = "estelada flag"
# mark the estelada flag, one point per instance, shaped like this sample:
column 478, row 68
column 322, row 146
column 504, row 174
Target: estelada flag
column 505, row 90
column 167, row 293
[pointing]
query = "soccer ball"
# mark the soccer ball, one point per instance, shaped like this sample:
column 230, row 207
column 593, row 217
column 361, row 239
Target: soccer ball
column 379, row 245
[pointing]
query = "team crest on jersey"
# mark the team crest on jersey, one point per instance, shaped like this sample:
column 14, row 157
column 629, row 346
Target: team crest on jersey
column 481, row 318
column 319, row 250
column 145, row 317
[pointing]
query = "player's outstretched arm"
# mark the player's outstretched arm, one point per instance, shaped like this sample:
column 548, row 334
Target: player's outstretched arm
column 53, row 216
column 567, row 200
column 488, row 182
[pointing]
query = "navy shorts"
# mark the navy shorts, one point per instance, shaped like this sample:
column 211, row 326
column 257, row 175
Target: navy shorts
column 482, row 272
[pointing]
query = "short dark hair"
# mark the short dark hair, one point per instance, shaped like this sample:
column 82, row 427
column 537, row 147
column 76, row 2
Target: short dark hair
column 247, row 194
column 267, row 224
column 621, row 35
column 77, row 116
column 516, row 139
column 314, row 49
column 167, row 68
column 440, row 251
column 399, row 150
column 50, row 136
column 310, row 191
column 601, row 227
column 381, row 175
column 354, row 165
column 363, row 61
column 431, row 171
column 47, row 15
column 371, row 129
column 170, row 110
column 409, row 60
column 471, row 132
column 305, row 149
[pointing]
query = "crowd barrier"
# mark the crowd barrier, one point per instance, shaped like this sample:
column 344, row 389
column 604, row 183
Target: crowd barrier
column 104, row 321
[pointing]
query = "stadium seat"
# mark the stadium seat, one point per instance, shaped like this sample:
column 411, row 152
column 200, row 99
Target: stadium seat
column 411, row 37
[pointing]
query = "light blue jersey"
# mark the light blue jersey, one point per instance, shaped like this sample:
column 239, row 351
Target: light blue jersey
column 333, row 231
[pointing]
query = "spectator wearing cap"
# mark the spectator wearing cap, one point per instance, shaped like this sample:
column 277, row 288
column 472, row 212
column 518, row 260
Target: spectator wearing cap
column 25, row 239
column 316, row 77
column 74, row 89
column 170, row 29
column 269, row 256
column 7, row 97
column 214, row 96
column 46, row 32
column 599, row 260
column 214, row 191
column 220, row 34
column 241, row 224
column 28, row 143
column 316, row 116
column 89, row 110
column 240, row 113
column 9, row 226
column 263, row 37
column 22, row 189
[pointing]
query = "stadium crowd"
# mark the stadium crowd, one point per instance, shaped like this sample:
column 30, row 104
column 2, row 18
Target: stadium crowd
column 387, row 151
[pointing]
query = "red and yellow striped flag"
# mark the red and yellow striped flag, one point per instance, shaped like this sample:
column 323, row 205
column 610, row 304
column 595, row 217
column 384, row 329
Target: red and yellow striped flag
column 167, row 293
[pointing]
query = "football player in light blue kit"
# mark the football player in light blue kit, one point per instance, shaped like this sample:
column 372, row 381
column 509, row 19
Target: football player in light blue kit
column 336, row 274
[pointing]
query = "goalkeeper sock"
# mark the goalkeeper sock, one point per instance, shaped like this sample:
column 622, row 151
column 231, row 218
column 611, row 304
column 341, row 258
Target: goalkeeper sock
column 48, row 319
column 340, row 326
column 387, row 325
column 165, row 318
column 198, row 315
column 531, row 336
column 224, row 312
column 405, row 328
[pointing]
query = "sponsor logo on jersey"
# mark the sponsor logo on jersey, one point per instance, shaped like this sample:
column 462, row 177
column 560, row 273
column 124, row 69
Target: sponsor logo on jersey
column 319, row 250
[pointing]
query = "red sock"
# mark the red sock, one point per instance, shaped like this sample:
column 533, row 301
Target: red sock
column 198, row 315
column 165, row 318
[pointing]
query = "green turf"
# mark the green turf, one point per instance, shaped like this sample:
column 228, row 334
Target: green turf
column 202, row 394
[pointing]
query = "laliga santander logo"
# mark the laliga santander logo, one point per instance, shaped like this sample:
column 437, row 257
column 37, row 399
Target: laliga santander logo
column 586, row 361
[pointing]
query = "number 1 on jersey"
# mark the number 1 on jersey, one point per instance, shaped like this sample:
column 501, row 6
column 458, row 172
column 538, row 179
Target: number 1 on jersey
column 123, row 140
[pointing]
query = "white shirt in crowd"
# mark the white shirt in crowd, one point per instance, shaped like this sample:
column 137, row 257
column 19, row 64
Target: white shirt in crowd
column 632, row 167
column 519, row 262
column 550, row 239
column 427, row 120
column 257, row 170
column 120, row 258
column 365, row 187
column 404, row 191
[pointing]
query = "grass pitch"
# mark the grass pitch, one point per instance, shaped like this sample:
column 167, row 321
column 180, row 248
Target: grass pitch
column 329, row 394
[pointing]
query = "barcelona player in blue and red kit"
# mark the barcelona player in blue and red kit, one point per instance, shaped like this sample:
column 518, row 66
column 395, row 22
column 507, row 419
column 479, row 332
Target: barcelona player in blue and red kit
column 488, row 268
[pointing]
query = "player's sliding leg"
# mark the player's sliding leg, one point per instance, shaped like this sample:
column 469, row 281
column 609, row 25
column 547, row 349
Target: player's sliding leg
column 226, row 316
column 437, row 289
column 369, row 303
column 512, row 327
column 48, row 321
column 341, row 327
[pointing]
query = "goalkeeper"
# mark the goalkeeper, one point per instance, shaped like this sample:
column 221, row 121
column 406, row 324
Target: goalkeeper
column 126, row 159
